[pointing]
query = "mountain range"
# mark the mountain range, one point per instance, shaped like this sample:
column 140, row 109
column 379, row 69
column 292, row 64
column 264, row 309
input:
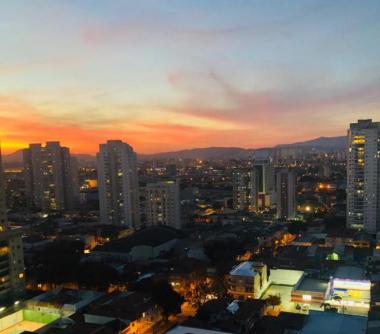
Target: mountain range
column 213, row 153
column 208, row 153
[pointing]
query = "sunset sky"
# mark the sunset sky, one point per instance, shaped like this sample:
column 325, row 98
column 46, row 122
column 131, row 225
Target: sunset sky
column 166, row 75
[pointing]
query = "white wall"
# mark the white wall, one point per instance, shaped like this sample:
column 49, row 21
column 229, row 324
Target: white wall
column 11, row 320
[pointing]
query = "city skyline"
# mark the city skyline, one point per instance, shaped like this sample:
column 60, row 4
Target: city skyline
column 166, row 76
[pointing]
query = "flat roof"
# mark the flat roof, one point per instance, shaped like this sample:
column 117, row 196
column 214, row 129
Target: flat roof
column 151, row 236
column 312, row 285
column 349, row 272
column 334, row 323
column 192, row 330
column 285, row 276
column 23, row 326
column 244, row 269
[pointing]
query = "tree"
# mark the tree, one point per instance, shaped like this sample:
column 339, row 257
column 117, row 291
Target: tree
column 163, row 294
column 96, row 276
column 198, row 289
column 109, row 232
column 225, row 250
column 58, row 262
column 274, row 300
column 203, row 314
column 167, row 298
column 219, row 286
column 296, row 228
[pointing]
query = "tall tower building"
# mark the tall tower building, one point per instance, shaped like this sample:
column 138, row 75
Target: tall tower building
column 363, row 181
column 243, row 195
column 163, row 204
column 254, row 186
column 118, row 184
column 286, row 194
column 263, row 182
column 50, row 177
column 12, row 280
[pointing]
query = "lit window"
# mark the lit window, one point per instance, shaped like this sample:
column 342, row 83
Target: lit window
column 306, row 297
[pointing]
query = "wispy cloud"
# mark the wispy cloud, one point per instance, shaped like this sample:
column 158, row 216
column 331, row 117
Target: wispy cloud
column 170, row 75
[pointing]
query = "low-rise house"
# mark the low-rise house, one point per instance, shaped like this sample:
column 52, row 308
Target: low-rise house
column 247, row 280
column 62, row 301
column 119, row 313
column 227, row 315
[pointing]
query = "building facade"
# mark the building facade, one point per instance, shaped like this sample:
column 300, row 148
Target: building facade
column 163, row 204
column 286, row 194
column 12, row 280
column 253, row 186
column 243, row 191
column 51, row 177
column 263, row 183
column 363, row 170
column 247, row 280
column 118, row 184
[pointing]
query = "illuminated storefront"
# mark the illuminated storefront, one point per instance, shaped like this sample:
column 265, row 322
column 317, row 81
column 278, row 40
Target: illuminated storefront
column 349, row 292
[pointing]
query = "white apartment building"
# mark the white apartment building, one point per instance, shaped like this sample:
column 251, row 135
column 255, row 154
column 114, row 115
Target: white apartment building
column 163, row 204
column 363, row 170
column 118, row 184
column 51, row 177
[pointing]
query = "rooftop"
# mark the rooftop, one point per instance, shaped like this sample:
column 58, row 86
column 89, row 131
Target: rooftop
column 125, row 306
column 152, row 236
column 285, row 322
column 191, row 330
column 312, row 285
column 349, row 272
column 244, row 269
column 334, row 323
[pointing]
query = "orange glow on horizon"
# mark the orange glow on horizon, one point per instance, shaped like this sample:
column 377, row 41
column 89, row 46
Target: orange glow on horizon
column 22, row 123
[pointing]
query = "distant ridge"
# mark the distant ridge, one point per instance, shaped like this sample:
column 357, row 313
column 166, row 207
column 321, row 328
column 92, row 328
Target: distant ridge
column 215, row 153
column 15, row 159
column 207, row 153
column 212, row 153
column 321, row 142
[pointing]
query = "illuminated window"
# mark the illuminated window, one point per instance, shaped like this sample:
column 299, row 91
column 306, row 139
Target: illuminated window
column 358, row 140
column 306, row 297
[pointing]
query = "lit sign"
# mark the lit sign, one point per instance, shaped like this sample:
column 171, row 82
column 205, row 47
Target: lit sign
column 350, row 284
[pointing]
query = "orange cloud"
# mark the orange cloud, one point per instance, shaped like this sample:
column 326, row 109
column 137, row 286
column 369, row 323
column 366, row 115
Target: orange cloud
column 21, row 124
column 212, row 112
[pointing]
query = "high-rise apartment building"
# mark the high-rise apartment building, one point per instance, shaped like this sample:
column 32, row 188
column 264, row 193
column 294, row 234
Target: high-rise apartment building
column 118, row 184
column 286, row 194
column 243, row 196
column 163, row 204
column 12, row 280
column 51, row 177
column 263, row 183
column 253, row 186
column 363, row 171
